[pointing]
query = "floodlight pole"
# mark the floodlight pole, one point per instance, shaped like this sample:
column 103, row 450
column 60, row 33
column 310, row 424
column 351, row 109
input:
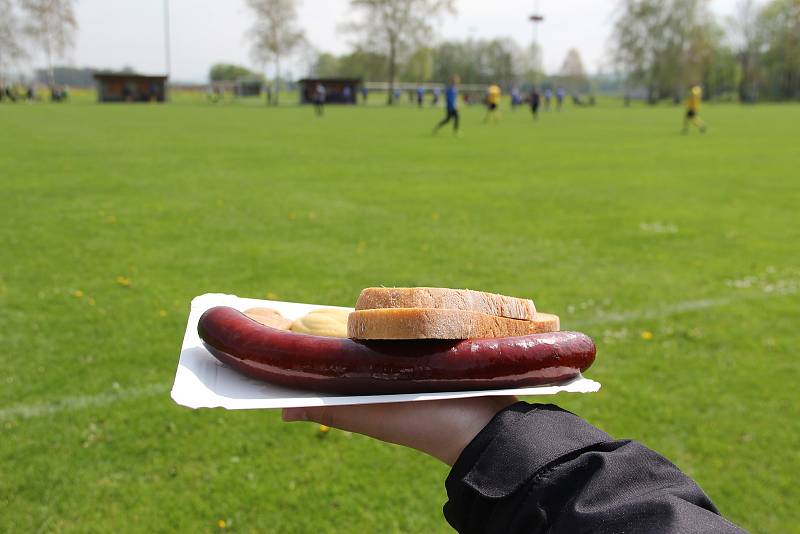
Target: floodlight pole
column 536, row 18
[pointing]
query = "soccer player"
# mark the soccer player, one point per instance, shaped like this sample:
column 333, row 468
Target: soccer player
column 420, row 95
column 693, row 110
column 560, row 98
column 451, row 105
column 319, row 98
column 516, row 98
column 436, row 93
column 548, row 96
column 492, row 101
column 534, row 101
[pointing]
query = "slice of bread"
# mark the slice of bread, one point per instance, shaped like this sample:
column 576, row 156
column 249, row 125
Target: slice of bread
column 449, row 299
column 433, row 323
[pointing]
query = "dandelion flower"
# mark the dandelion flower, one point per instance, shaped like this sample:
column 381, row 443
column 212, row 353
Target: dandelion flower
column 221, row 523
column 647, row 335
column 77, row 293
column 124, row 281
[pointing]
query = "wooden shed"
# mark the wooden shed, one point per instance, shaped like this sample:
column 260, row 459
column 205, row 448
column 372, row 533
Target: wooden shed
column 337, row 90
column 127, row 87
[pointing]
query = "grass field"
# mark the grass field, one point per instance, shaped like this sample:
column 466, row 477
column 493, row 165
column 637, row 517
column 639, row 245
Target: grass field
column 678, row 254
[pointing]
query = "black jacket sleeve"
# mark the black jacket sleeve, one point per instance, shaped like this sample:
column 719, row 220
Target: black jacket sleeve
column 538, row 468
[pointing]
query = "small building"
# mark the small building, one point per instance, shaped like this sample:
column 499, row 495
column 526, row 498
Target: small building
column 337, row 90
column 129, row 87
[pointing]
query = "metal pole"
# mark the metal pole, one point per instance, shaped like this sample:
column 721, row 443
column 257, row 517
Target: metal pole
column 535, row 19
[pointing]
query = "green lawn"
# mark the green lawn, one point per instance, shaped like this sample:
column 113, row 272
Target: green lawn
column 115, row 216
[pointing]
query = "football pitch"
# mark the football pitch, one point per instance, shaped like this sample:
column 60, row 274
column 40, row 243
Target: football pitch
column 678, row 254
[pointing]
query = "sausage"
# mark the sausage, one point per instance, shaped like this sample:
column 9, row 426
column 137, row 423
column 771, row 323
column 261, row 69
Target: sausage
column 346, row 366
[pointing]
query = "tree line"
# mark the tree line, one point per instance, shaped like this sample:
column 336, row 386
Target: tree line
column 662, row 46
column 658, row 47
column 48, row 26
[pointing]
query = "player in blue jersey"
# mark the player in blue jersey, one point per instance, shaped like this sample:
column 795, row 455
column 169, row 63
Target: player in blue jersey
column 451, row 105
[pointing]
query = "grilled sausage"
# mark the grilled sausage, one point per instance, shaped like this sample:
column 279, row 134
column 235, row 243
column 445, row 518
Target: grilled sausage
column 345, row 366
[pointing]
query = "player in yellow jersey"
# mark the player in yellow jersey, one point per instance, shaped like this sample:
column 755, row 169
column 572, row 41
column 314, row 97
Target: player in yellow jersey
column 693, row 110
column 492, row 101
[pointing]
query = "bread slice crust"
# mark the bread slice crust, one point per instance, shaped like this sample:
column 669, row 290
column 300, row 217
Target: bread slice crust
column 434, row 323
column 449, row 299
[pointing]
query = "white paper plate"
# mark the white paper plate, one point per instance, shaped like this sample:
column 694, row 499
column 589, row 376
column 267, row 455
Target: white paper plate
column 201, row 381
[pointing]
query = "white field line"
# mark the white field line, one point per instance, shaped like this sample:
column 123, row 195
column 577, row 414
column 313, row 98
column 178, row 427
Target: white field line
column 658, row 313
column 26, row 411
column 669, row 310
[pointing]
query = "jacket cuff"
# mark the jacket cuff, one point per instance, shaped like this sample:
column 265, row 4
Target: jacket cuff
column 517, row 444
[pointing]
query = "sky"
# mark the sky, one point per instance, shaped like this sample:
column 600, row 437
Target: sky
column 117, row 33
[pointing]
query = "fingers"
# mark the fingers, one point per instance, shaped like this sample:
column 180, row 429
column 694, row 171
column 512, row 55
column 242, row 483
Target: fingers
column 368, row 419
column 440, row 428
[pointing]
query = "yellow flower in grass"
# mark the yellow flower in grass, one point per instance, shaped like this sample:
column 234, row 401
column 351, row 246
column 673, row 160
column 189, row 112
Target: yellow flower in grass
column 77, row 294
column 124, row 281
column 221, row 523
column 324, row 429
column 647, row 335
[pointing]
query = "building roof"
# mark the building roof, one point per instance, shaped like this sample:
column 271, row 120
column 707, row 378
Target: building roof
column 330, row 80
column 127, row 76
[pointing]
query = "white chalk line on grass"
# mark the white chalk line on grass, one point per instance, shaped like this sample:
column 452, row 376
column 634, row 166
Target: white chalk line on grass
column 658, row 313
column 672, row 309
column 26, row 411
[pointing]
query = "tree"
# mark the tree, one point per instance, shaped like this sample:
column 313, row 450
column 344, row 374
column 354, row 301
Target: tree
column 227, row 72
column 363, row 64
column 10, row 49
column 419, row 65
column 51, row 24
column 779, row 29
column 495, row 60
column 481, row 61
column 745, row 40
column 659, row 44
column 723, row 77
column 528, row 64
column 573, row 74
column 395, row 27
column 455, row 57
column 274, row 33
column 326, row 65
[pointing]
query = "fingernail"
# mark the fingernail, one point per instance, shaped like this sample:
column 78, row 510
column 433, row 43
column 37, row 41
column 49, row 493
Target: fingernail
column 294, row 414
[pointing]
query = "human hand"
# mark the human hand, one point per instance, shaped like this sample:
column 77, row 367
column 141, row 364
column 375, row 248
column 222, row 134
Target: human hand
column 440, row 428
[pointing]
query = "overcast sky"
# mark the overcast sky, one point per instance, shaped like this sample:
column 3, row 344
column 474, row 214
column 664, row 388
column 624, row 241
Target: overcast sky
column 115, row 33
